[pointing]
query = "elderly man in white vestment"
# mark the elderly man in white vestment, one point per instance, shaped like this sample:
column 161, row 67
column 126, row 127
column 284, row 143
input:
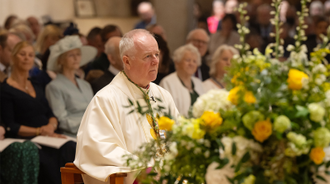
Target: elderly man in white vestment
column 108, row 131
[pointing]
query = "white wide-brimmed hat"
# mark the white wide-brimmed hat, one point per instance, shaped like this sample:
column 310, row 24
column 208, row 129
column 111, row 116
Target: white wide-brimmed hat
column 66, row 44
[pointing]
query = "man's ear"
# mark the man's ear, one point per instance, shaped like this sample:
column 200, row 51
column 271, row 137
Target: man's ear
column 127, row 62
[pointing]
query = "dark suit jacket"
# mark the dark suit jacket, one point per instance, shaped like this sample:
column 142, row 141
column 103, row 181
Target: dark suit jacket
column 311, row 43
column 204, row 70
column 101, row 63
column 104, row 80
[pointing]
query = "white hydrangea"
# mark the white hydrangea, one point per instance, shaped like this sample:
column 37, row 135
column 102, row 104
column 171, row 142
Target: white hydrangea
column 216, row 176
column 320, row 68
column 327, row 99
column 242, row 146
column 214, row 100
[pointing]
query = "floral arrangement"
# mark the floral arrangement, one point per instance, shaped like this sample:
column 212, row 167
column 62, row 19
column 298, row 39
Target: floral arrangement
column 271, row 126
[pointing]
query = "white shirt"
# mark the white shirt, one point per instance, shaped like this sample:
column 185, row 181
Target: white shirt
column 108, row 131
column 113, row 70
column 179, row 92
column 209, row 84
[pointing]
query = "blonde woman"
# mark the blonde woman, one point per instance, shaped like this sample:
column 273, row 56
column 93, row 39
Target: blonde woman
column 49, row 35
column 68, row 95
column 26, row 114
column 219, row 64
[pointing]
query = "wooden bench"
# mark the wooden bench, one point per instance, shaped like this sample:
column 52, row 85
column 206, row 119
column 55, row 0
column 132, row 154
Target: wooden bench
column 70, row 174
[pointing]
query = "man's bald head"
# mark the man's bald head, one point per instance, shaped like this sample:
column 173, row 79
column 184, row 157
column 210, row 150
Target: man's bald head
column 34, row 25
column 7, row 43
column 140, row 54
column 200, row 39
column 127, row 43
column 112, row 51
column 145, row 11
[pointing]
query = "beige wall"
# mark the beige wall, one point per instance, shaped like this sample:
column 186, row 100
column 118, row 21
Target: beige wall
column 63, row 10
column 125, row 24
column 176, row 16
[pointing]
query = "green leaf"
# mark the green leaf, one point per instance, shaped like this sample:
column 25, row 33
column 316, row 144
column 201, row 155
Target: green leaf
column 222, row 163
column 321, row 178
column 279, row 136
column 130, row 112
column 139, row 108
column 233, row 149
column 278, row 182
column 158, row 99
column 220, row 144
column 302, row 111
column 231, row 180
column 327, row 164
column 130, row 102
column 153, row 174
column 327, row 172
column 238, row 167
column 246, row 157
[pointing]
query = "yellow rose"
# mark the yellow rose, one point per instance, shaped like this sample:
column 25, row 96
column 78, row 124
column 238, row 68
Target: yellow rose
column 295, row 79
column 317, row 155
column 211, row 119
column 262, row 130
column 194, row 131
column 232, row 96
column 234, row 80
column 165, row 123
column 249, row 97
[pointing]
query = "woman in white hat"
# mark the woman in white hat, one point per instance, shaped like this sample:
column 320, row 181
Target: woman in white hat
column 68, row 95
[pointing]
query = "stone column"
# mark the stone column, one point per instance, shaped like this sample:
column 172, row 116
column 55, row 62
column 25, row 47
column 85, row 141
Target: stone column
column 176, row 16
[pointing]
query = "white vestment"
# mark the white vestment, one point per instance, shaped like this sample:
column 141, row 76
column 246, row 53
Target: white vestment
column 108, row 131
column 179, row 92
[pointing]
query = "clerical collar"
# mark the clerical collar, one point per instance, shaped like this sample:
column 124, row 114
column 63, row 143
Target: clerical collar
column 2, row 67
column 113, row 70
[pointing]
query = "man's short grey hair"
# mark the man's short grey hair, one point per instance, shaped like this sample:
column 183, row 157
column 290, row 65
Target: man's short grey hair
column 193, row 32
column 180, row 52
column 144, row 4
column 109, row 48
column 316, row 5
column 126, row 43
column 216, row 57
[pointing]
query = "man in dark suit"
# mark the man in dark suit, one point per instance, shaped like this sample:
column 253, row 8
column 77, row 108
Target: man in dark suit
column 200, row 39
column 109, row 31
column 263, row 25
column 321, row 25
column 116, row 65
column 7, row 43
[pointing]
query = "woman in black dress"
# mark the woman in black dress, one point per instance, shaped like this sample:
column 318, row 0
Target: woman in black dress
column 26, row 114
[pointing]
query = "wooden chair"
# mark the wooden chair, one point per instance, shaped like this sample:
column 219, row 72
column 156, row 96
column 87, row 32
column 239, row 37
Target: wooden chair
column 70, row 174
